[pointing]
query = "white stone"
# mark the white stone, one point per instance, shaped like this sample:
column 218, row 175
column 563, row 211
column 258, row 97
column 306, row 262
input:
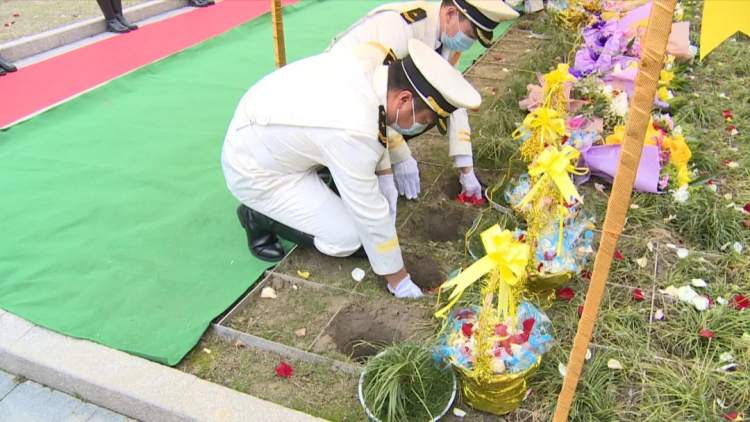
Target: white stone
column 268, row 293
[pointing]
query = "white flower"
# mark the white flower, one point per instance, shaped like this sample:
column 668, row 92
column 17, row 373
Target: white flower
column 681, row 195
column 659, row 315
column 620, row 104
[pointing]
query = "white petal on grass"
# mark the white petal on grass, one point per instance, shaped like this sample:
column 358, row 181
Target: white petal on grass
column 561, row 368
column 599, row 187
column 698, row 282
column 682, row 253
column 650, row 246
column 726, row 357
column 737, row 246
column 458, row 412
column 721, row 301
column 358, row 274
column 642, row 262
column 268, row 293
column 701, row 303
column 588, row 354
column 614, row 364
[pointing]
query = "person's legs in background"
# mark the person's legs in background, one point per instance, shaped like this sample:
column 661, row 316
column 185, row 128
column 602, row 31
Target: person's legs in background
column 117, row 7
column 113, row 24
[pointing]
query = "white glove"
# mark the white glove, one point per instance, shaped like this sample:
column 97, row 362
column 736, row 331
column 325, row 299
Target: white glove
column 406, row 289
column 388, row 189
column 407, row 178
column 470, row 184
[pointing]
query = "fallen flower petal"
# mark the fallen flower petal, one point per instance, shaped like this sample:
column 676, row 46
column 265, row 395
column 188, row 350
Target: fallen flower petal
column 580, row 310
column 706, row 333
column 358, row 274
column 740, row 302
column 638, row 295
column 614, row 364
column 732, row 416
column 458, row 412
column 682, row 253
column 586, row 275
column 659, row 315
column 566, row 294
column 561, row 368
column 284, row 370
column 698, row 282
column 642, row 262
column 618, row 255
column 303, row 274
column 726, row 357
column 746, row 208
column 731, row 367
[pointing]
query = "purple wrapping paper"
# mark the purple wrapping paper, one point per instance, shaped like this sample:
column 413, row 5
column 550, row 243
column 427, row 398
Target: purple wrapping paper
column 602, row 161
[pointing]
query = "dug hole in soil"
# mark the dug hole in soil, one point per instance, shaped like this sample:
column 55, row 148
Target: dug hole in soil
column 361, row 329
column 446, row 223
column 425, row 272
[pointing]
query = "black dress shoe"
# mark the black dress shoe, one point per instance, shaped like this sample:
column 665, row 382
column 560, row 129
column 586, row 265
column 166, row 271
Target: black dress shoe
column 200, row 3
column 7, row 66
column 261, row 241
column 125, row 23
column 114, row 25
column 2, row 72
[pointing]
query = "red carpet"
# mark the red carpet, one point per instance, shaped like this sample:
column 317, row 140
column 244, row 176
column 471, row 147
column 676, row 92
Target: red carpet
column 46, row 83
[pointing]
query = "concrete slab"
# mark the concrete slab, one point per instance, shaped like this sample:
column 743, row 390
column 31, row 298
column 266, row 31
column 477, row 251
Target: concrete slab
column 7, row 383
column 126, row 384
column 33, row 402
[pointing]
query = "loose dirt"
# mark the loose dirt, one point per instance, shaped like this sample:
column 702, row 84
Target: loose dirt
column 424, row 270
column 361, row 329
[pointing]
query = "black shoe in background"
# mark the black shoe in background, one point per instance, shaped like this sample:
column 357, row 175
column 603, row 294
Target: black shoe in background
column 125, row 23
column 7, row 66
column 114, row 25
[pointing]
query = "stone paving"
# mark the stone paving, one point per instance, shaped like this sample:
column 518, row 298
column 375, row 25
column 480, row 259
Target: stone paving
column 27, row 401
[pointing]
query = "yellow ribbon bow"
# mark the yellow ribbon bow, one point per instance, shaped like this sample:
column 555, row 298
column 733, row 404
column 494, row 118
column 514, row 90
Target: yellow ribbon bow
column 506, row 255
column 547, row 122
column 555, row 164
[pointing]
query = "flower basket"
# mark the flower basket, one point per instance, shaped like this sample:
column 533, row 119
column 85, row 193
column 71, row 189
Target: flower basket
column 499, row 394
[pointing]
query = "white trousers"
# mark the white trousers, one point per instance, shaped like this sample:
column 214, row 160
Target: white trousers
column 300, row 200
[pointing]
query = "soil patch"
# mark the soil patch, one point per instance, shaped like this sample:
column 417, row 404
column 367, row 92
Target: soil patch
column 361, row 329
column 442, row 222
column 424, row 270
column 294, row 317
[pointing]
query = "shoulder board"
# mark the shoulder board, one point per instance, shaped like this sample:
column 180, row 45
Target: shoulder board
column 414, row 15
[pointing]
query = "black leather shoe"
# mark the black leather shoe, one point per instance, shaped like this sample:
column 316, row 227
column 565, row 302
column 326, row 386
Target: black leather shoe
column 2, row 72
column 200, row 3
column 7, row 66
column 125, row 23
column 261, row 241
column 114, row 25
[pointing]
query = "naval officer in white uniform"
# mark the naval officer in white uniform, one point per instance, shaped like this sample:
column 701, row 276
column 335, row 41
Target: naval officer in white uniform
column 449, row 27
column 332, row 110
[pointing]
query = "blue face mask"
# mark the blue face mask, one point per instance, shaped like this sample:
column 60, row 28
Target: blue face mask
column 458, row 42
column 416, row 127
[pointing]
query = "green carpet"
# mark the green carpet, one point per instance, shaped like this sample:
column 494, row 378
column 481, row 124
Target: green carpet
column 116, row 223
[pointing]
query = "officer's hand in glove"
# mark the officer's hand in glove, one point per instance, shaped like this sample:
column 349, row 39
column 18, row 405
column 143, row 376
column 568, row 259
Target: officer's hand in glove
column 406, row 289
column 407, row 178
column 388, row 189
column 470, row 185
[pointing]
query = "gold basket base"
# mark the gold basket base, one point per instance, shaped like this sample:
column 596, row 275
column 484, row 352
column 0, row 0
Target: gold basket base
column 499, row 395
